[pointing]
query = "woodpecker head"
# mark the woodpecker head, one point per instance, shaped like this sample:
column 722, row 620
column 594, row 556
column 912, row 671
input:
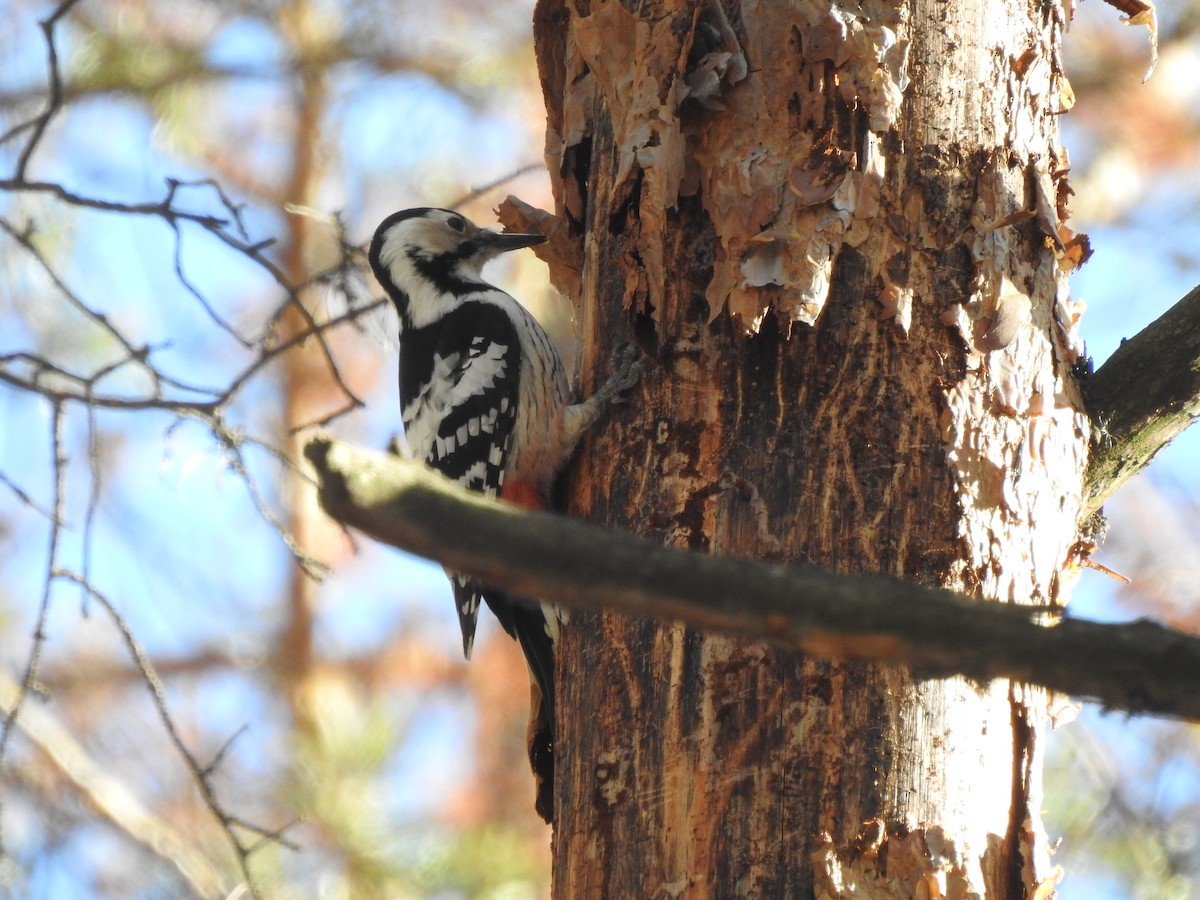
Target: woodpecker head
column 427, row 259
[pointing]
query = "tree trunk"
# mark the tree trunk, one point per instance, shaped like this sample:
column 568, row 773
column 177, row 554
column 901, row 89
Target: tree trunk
column 837, row 234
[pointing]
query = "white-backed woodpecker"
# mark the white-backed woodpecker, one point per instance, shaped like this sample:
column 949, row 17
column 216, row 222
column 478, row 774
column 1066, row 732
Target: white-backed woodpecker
column 485, row 400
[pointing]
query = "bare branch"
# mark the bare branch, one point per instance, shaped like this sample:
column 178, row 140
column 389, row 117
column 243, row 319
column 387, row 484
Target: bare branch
column 312, row 566
column 55, row 101
column 111, row 799
column 476, row 193
column 96, row 482
column 135, row 355
column 22, row 238
column 1139, row 667
column 235, row 216
column 219, row 227
column 84, row 395
column 129, row 372
column 270, row 355
column 1143, row 397
column 219, row 756
column 28, row 681
column 24, row 497
column 202, row 775
column 162, row 209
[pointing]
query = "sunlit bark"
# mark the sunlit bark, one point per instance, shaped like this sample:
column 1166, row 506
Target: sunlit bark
column 839, row 237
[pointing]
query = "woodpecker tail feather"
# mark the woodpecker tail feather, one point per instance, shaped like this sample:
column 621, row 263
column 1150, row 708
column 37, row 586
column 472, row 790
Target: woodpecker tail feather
column 466, row 603
column 539, row 741
column 525, row 621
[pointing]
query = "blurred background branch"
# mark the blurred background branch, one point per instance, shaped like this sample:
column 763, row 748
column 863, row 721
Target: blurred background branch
column 111, row 798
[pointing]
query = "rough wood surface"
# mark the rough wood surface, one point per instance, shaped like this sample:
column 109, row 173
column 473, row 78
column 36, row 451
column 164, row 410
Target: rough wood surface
column 840, row 236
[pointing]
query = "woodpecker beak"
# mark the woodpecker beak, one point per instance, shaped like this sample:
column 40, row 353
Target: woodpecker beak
column 494, row 242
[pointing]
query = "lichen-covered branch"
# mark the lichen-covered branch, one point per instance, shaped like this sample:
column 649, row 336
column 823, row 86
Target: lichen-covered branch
column 1138, row 667
column 1143, row 397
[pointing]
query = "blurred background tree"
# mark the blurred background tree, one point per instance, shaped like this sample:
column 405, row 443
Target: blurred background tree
column 200, row 189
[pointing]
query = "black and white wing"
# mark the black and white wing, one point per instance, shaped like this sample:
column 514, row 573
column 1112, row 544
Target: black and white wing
column 459, row 384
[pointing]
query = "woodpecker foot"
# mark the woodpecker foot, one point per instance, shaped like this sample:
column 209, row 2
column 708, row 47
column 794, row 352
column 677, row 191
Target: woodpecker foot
column 627, row 363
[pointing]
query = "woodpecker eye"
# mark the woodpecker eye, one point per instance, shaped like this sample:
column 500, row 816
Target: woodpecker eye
column 457, row 223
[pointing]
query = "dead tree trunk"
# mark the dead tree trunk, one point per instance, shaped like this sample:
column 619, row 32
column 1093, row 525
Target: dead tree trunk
column 837, row 232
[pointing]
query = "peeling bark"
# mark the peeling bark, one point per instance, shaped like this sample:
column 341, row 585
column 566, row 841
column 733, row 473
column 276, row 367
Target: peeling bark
column 839, row 231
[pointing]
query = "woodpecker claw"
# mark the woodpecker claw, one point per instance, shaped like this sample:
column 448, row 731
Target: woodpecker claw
column 627, row 363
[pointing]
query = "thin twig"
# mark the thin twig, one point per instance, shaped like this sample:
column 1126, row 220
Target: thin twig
column 89, row 516
column 161, row 209
column 235, row 215
column 217, row 318
column 219, row 228
column 97, row 318
column 29, row 677
column 219, row 756
column 136, row 355
column 269, row 356
column 110, row 798
column 202, row 775
column 311, row 566
column 476, row 193
column 55, row 101
column 83, row 395
column 24, row 497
